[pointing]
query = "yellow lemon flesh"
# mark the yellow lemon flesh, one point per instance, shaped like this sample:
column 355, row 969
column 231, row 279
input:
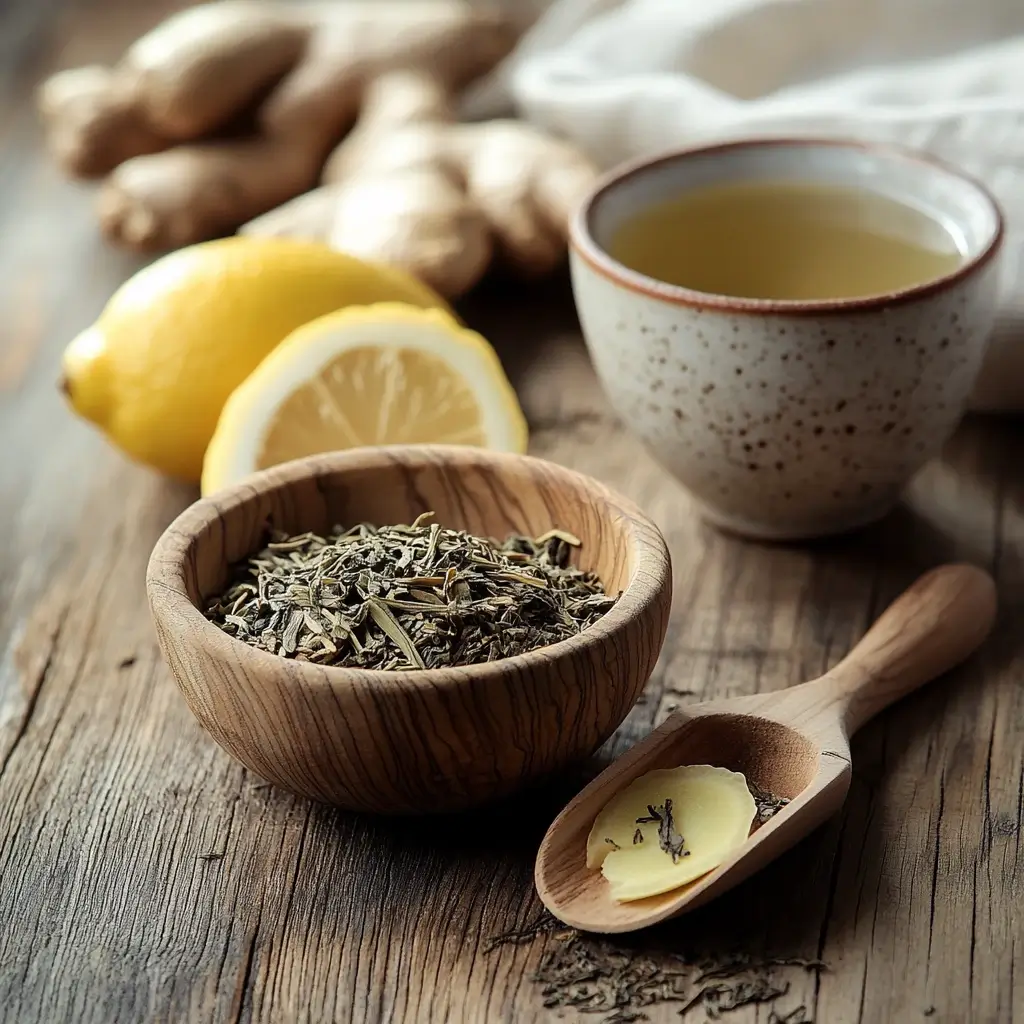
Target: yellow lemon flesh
column 383, row 374
column 711, row 814
column 176, row 339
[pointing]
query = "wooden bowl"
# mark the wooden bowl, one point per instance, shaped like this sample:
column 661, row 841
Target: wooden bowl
column 412, row 741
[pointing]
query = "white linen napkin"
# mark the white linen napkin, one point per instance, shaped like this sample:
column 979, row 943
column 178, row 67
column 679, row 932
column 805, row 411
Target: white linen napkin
column 625, row 78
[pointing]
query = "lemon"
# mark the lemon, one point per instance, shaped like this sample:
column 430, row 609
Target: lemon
column 176, row 339
column 383, row 374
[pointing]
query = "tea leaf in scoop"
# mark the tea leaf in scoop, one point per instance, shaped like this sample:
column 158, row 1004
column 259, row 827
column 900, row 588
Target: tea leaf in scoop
column 768, row 805
column 668, row 835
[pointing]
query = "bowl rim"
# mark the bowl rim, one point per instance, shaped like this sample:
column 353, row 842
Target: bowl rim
column 583, row 244
column 168, row 595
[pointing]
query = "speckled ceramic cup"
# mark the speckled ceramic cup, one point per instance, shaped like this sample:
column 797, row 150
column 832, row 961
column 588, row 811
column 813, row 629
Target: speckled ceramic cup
column 789, row 419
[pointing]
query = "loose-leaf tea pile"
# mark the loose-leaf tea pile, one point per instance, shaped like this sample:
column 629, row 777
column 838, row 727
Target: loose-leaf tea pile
column 417, row 596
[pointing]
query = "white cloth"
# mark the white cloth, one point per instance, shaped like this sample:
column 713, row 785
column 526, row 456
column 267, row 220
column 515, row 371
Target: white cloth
column 625, row 78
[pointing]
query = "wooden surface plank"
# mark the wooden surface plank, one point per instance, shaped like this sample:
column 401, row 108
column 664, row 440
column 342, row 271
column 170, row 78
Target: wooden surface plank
column 144, row 876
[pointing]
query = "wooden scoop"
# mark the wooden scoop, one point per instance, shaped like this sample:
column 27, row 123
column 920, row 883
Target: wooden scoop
column 793, row 743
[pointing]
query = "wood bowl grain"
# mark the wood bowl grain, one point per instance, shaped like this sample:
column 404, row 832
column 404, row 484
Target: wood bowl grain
column 412, row 742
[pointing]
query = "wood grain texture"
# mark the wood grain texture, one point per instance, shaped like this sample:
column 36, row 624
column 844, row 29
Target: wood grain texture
column 793, row 743
column 147, row 877
column 427, row 741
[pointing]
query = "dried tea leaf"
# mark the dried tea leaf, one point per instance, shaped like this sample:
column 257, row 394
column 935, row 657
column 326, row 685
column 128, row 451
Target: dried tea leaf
column 387, row 622
column 615, row 985
column 408, row 596
column 768, row 805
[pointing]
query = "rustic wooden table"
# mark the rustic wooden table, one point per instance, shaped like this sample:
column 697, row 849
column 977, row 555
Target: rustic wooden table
column 145, row 876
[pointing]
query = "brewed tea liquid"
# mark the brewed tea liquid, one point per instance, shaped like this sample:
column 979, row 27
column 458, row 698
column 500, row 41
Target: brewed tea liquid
column 783, row 240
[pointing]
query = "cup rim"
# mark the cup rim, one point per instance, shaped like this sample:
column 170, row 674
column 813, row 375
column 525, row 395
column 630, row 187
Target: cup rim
column 583, row 244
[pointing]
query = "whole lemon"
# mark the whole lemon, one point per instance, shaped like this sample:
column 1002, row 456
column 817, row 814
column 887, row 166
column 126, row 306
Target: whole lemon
column 178, row 337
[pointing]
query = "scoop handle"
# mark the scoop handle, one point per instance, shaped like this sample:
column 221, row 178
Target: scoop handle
column 930, row 628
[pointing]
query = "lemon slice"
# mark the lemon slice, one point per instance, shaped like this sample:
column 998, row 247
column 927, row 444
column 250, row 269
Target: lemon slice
column 389, row 373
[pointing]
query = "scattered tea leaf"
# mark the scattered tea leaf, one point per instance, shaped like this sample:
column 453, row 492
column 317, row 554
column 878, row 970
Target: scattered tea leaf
column 593, row 976
column 721, row 998
column 797, row 1016
column 543, row 924
column 726, row 967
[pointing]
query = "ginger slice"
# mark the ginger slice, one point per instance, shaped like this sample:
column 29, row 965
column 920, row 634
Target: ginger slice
column 669, row 827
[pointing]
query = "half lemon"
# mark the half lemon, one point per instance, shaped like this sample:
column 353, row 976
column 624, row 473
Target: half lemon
column 382, row 374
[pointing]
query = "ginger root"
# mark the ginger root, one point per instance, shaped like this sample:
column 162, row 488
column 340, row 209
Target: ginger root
column 226, row 111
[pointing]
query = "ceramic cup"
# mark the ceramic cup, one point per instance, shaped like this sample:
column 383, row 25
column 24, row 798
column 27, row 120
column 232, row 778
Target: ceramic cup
column 789, row 419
